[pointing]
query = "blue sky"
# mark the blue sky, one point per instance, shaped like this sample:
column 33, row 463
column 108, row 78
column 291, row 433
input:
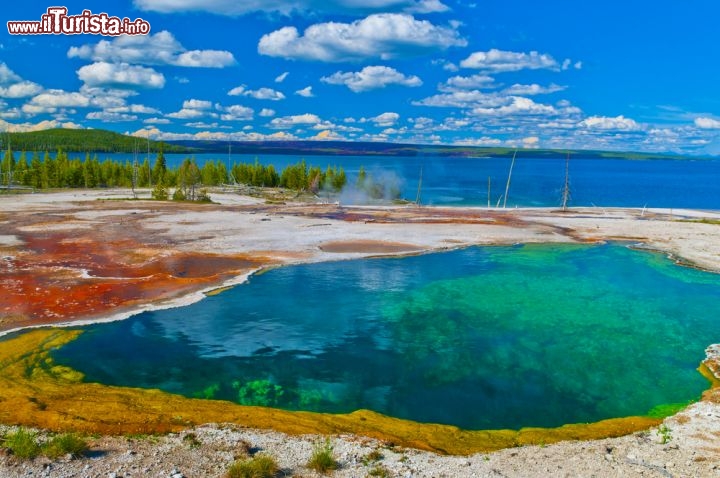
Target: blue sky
column 617, row 75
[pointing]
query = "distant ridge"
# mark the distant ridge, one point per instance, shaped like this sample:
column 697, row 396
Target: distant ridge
column 98, row 140
column 83, row 140
column 351, row 148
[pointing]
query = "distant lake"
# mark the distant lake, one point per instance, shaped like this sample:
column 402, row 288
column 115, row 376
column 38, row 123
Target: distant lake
column 456, row 181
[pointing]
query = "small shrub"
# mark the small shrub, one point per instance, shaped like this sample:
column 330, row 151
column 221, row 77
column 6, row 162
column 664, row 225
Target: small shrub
column 203, row 196
column 322, row 459
column 665, row 434
column 160, row 192
column 22, row 443
column 372, row 457
column 379, row 471
column 65, row 444
column 192, row 440
column 260, row 466
column 179, row 195
column 244, row 449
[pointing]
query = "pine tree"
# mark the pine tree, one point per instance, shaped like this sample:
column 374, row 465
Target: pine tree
column 209, row 174
column 144, row 174
column 362, row 177
column 339, row 180
column 272, row 178
column 160, row 168
column 315, row 179
column 48, row 175
column 34, row 177
column 21, row 169
column 7, row 167
column 89, row 177
column 188, row 178
column 222, row 174
column 61, row 169
column 97, row 172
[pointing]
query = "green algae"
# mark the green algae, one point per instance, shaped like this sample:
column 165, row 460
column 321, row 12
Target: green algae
column 667, row 409
column 261, row 393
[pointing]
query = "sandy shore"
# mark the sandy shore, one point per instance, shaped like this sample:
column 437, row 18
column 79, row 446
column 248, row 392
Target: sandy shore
column 257, row 235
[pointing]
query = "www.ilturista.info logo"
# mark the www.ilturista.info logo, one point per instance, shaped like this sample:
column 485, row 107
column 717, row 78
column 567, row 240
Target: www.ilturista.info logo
column 57, row 22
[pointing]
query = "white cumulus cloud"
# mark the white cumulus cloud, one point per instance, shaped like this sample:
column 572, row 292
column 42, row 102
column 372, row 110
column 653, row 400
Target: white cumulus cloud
column 497, row 104
column 50, row 100
column 531, row 141
column 42, row 125
column 568, row 63
column 707, row 123
column 21, row 89
column 110, row 117
column 259, row 94
column 213, row 135
column 7, row 76
column 159, row 49
column 197, row 104
column 237, row 113
column 285, row 122
column 305, row 92
column 370, row 78
column 157, row 121
column 120, row 75
column 516, row 105
column 607, row 123
column 328, row 125
column 462, row 99
column 499, row 61
column 13, row 86
column 205, row 59
column 139, row 109
column 186, row 113
column 382, row 35
column 385, row 120
column 201, row 124
column 484, row 141
column 192, row 109
column 468, row 82
column 533, row 89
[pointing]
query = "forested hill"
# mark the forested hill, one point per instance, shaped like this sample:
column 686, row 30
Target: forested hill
column 83, row 140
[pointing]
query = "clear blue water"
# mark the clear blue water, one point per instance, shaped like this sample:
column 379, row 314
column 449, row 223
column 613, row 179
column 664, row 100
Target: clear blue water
column 457, row 181
column 482, row 338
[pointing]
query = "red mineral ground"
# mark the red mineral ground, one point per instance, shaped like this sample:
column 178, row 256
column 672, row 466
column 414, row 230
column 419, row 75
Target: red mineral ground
column 62, row 270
